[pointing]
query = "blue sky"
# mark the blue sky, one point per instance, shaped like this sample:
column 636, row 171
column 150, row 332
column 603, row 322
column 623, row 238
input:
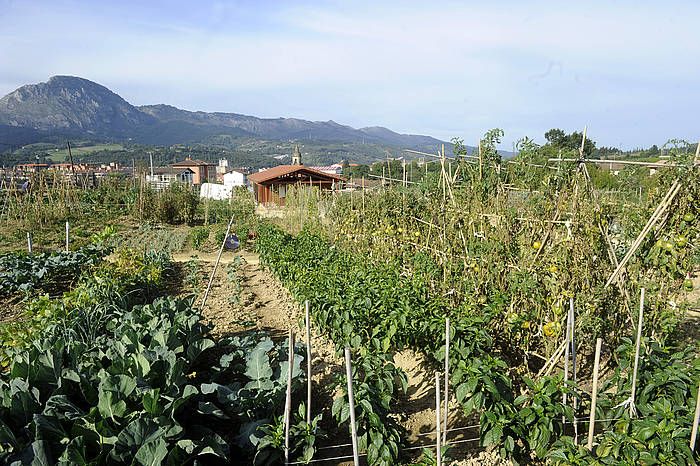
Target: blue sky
column 628, row 70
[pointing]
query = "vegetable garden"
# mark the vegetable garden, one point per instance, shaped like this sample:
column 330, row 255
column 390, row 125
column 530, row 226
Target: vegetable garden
column 501, row 275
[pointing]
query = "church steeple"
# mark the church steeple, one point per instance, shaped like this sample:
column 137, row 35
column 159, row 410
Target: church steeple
column 296, row 156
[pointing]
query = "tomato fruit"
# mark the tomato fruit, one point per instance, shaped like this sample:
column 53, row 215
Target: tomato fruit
column 680, row 241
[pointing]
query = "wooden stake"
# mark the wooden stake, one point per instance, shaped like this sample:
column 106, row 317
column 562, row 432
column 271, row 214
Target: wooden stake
column 447, row 377
column 636, row 353
column 573, row 364
column 29, row 242
column 351, row 401
column 594, row 393
column 437, row 419
column 658, row 213
column 67, row 235
column 216, row 264
column 308, row 363
column 583, row 142
column 288, row 403
column 696, row 420
column 567, row 347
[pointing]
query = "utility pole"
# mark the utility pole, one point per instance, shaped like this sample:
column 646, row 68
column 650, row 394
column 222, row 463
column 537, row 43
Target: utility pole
column 72, row 167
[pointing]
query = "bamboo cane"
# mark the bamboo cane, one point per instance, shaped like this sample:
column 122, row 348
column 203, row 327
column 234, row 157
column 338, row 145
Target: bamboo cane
column 216, row 264
column 594, row 393
column 288, row 403
column 447, row 376
column 308, row 363
column 351, row 401
column 437, row 419
column 696, row 420
column 636, row 354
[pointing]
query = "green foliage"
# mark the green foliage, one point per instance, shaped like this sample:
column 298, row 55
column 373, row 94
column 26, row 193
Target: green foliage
column 113, row 383
column 302, row 435
column 49, row 272
column 569, row 144
column 130, row 278
column 175, row 204
column 376, row 308
column 665, row 403
column 199, row 236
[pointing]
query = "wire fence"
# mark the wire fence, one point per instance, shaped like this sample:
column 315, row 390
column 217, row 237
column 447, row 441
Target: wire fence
column 431, row 446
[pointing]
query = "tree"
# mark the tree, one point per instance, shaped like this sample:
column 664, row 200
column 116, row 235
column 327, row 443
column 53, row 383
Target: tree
column 559, row 140
column 555, row 137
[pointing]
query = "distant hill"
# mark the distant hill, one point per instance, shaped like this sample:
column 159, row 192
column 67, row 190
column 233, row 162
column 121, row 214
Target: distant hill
column 67, row 106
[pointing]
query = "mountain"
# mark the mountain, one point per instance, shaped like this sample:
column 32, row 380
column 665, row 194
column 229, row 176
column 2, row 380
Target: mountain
column 67, row 106
column 66, row 103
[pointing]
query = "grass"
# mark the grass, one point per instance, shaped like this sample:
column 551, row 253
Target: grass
column 59, row 155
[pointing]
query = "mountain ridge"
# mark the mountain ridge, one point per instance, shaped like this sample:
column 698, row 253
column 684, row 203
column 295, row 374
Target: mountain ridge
column 77, row 106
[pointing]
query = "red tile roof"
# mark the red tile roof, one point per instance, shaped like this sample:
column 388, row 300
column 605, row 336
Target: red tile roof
column 193, row 163
column 281, row 170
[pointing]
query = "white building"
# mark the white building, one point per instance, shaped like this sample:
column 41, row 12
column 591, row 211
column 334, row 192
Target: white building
column 215, row 191
column 235, row 178
column 222, row 167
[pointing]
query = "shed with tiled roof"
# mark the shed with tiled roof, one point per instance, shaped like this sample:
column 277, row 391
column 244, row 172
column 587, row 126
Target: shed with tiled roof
column 270, row 186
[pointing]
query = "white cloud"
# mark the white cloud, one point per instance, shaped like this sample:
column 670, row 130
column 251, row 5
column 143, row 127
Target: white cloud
column 419, row 67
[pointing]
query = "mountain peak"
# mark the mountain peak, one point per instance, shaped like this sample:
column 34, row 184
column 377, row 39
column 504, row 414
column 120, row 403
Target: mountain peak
column 69, row 103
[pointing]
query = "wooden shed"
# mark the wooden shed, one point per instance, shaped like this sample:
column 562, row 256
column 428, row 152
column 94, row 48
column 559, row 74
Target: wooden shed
column 270, row 186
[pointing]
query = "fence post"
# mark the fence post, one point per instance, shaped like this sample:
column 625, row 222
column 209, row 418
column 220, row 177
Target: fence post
column 288, row 403
column 351, row 400
column 636, row 353
column 29, row 242
column 308, row 363
column 438, row 406
column 67, row 235
column 594, row 393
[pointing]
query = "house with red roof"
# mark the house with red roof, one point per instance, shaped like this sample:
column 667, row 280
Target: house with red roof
column 200, row 170
column 271, row 186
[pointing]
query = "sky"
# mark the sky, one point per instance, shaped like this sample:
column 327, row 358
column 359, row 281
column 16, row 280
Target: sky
column 629, row 71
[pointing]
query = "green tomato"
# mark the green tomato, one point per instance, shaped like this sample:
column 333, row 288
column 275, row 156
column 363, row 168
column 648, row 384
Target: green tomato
column 681, row 241
column 689, row 217
column 688, row 284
